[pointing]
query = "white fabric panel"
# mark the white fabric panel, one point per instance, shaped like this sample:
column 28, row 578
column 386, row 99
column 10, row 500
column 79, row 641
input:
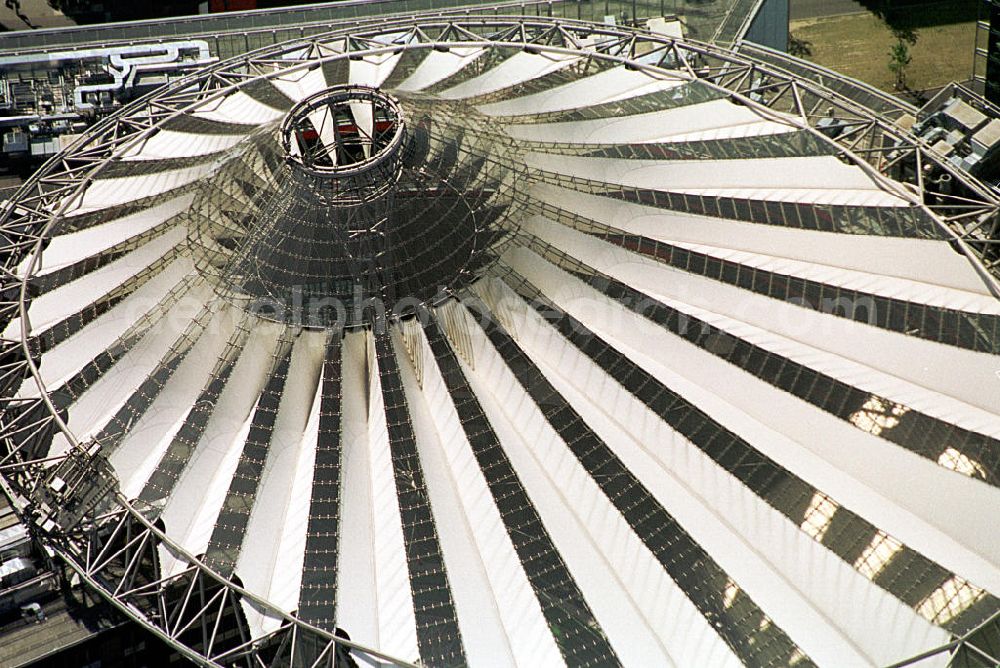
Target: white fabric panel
column 966, row 375
column 237, row 107
column 518, row 68
column 611, row 85
column 55, row 305
column 104, row 193
column 300, row 84
column 622, row 265
column 632, row 598
column 372, row 70
column 935, row 512
column 197, row 530
column 193, row 507
column 373, row 598
column 874, row 381
column 396, row 37
column 148, row 437
column 499, row 616
column 928, row 261
column 173, row 144
column 885, row 286
column 271, row 555
column 486, row 639
column 357, row 587
column 439, row 65
column 715, row 119
column 65, row 249
column 100, row 401
column 369, row 71
column 364, row 117
column 331, row 48
column 288, row 566
column 818, row 180
column 868, row 619
column 67, row 358
column 300, row 53
column 812, row 172
column 323, row 121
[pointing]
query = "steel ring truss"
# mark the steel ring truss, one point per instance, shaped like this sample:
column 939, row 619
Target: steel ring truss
column 111, row 544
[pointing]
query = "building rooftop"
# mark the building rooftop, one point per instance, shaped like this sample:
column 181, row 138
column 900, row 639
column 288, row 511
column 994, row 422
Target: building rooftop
column 485, row 337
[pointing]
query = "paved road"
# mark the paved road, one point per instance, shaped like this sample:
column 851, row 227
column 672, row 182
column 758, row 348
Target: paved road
column 809, row 9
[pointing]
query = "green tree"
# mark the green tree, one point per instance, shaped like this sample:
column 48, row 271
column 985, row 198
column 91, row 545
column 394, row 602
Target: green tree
column 899, row 58
column 899, row 53
column 800, row 48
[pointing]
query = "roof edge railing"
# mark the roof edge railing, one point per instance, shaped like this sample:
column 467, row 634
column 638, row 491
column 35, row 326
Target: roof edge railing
column 275, row 18
column 863, row 93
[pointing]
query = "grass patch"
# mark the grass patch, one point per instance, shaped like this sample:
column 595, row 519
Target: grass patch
column 858, row 45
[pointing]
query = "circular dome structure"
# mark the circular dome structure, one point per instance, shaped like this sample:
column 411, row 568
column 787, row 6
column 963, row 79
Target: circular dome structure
column 508, row 342
column 322, row 135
